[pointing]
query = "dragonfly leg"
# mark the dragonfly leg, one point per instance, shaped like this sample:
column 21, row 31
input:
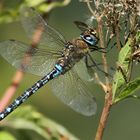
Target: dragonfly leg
column 102, row 50
column 95, row 65
column 96, row 48
column 91, row 65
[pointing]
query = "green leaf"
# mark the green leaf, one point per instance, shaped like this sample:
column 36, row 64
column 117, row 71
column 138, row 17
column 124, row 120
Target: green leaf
column 123, row 62
column 129, row 90
column 47, row 7
column 8, row 15
column 27, row 118
column 6, row 136
column 134, row 96
column 33, row 3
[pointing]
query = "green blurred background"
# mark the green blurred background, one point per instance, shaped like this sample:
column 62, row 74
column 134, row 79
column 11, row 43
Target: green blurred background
column 123, row 122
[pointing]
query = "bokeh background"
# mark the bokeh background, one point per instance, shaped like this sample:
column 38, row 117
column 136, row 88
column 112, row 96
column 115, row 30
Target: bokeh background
column 124, row 119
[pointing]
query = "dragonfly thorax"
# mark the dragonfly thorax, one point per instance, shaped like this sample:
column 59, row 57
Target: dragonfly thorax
column 73, row 52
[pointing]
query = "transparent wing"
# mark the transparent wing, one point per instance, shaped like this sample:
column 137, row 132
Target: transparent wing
column 32, row 22
column 71, row 90
column 82, row 71
column 33, row 60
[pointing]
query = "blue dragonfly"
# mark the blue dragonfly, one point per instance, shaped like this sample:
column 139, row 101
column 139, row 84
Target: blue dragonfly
column 56, row 60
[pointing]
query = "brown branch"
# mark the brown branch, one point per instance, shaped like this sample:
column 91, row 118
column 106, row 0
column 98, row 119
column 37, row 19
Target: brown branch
column 104, row 60
column 106, row 87
column 118, row 37
column 99, row 81
column 10, row 91
column 113, row 14
column 104, row 115
column 17, row 78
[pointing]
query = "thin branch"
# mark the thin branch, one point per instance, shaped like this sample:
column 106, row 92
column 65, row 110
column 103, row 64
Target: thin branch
column 10, row 91
column 112, row 14
column 104, row 115
column 108, row 96
column 90, row 8
column 99, row 81
column 17, row 78
column 118, row 37
column 104, row 60
column 106, row 87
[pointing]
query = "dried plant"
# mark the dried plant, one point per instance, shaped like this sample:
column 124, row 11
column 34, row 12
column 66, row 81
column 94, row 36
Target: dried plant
column 117, row 22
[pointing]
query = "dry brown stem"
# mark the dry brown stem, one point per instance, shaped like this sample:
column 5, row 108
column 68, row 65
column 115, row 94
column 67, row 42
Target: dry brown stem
column 104, row 115
column 106, row 87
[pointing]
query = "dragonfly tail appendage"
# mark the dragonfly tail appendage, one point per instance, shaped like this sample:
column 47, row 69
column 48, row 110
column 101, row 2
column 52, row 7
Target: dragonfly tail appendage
column 54, row 73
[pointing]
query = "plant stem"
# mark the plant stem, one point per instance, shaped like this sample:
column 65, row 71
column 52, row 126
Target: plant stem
column 90, row 8
column 106, row 87
column 108, row 91
column 104, row 115
column 17, row 78
column 118, row 37
column 104, row 60
column 10, row 91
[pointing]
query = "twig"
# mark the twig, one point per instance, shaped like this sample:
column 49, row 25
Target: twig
column 10, row 91
column 99, row 81
column 111, row 13
column 17, row 78
column 104, row 115
column 108, row 96
column 104, row 60
column 118, row 37
column 90, row 8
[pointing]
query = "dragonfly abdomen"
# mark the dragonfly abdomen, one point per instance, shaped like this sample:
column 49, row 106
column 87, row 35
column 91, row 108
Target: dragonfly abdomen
column 54, row 73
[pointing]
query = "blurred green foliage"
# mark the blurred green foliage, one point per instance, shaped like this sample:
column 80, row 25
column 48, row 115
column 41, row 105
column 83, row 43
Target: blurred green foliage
column 6, row 135
column 29, row 120
column 129, row 90
column 9, row 10
column 122, row 89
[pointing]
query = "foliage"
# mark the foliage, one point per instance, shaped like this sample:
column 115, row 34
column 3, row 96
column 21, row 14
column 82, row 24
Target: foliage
column 123, row 68
column 6, row 135
column 129, row 90
column 120, row 79
column 9, row 11
column 27, row 122
column 118, row 23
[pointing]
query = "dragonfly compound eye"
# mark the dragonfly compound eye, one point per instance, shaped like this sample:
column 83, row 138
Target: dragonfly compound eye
column 91, row 40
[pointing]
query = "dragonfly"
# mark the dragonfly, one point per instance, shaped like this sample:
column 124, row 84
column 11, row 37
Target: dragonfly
column 59, row 61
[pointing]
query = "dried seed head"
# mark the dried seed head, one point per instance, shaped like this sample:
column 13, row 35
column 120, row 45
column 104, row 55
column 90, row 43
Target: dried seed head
column 90, row 20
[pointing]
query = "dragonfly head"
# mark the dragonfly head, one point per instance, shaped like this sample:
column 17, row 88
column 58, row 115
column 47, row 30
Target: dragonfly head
column 89, row 35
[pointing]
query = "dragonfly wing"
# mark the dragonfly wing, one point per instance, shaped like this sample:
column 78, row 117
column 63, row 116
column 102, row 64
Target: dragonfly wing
column 82, row 71
column 33, row 60
column 32, row 22
column 71, row 90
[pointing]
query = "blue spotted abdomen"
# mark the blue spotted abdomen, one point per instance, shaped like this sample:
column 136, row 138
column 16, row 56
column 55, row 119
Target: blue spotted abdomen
column 57, row 70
